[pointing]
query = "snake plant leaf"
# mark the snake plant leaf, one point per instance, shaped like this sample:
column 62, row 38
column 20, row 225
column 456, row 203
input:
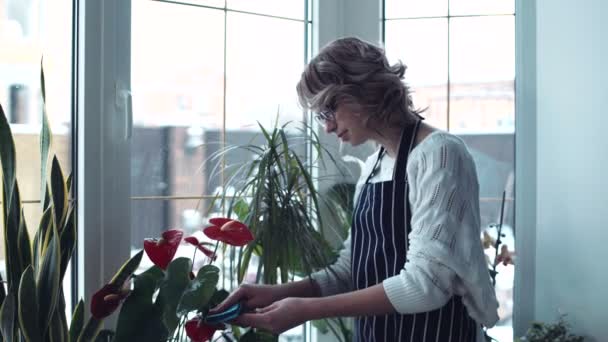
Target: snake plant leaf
column 7, row 158
column 68, row 241
column 200, row 290
column 56, row 330
column 45, row 143
column 171, row 289
column 28, row 306
column 59, row 324
column 58, row 193
column 140, row 319
column 44, row 226
column 48, row 281
column 8, row 318
column 25, row 247
column 127, row 270
column 77, row 321
column 68, row 182
column 90, row 330
column 14, row 268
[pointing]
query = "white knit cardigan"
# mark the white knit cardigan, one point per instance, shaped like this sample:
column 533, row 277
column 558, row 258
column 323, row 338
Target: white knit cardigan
column 445, row 255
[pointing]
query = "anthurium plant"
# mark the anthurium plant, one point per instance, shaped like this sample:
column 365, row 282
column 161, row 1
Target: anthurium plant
column 170, row 300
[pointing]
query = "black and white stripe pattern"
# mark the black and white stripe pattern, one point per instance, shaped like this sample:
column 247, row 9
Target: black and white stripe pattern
column 381, row 225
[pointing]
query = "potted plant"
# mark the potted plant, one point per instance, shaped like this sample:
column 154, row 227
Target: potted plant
column 32, row 302
column 277, row 198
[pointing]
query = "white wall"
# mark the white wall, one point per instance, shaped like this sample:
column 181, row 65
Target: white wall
column 571, row 165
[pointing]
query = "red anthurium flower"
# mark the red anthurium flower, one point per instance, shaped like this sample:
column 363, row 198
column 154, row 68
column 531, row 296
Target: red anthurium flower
column 232, row 232
column 108, row 299
column 194, row 241
column 161, row 251
column 199, row 331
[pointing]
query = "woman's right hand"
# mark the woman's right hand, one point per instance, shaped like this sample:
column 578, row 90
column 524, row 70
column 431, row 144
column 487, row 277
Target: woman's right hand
column 252, row 297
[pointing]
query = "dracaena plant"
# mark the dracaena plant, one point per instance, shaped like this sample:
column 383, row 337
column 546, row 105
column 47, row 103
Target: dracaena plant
column 277, row 197
column 168, row 301
column 32, row 303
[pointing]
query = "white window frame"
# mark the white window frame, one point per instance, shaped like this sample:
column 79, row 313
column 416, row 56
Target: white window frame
column 103, row 142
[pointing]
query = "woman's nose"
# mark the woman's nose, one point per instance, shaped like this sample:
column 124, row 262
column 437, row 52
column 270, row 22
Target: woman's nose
column 330, row 126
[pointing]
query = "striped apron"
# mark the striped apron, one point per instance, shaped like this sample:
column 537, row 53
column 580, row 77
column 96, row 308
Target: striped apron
column 380, row 228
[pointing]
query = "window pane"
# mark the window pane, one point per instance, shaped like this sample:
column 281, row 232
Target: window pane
column 425, row 56
column 213, row 3
column 178, row 91
column 482, row 62
column 262, row 73
column 415, row 8
column 282, row 8
column 29, row 30
column 481, row 7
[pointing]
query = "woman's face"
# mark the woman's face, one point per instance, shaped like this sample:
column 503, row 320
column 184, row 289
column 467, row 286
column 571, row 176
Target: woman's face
column 348, row 125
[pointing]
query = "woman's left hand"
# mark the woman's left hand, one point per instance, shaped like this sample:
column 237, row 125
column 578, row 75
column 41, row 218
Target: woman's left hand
column 277, row 317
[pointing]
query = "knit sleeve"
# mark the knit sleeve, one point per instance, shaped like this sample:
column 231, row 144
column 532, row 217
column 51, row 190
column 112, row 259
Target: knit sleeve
column 445, row 256
column 336, row 278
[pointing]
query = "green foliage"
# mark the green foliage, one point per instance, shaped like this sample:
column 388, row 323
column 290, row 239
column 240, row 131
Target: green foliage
column 278, row 199
column 34, row 309
column 546, row 332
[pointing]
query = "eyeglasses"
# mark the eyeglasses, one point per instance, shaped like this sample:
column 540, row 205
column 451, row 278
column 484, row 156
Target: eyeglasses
column 326, row 116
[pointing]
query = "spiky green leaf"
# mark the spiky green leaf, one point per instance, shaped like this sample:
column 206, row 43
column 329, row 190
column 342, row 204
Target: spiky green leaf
column 58, row 193
column 48, row 281
column 77, row 321
column 127, row 269
column 45, row 143
column 28, row 306
column 7, row 158
column 8, row 316
column 25, row 247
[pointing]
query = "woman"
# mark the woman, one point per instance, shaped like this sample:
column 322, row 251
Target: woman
column 413, row 267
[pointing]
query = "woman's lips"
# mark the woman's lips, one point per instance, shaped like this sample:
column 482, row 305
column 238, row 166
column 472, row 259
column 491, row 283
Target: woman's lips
column 341, row 134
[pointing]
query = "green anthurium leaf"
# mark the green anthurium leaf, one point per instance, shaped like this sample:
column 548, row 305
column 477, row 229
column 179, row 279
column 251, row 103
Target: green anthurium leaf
column 258, row 336
column 139, row 318
column 200, row 290
column 91, row 330
column 77, row 321
column 8, row 317
column 48, row 281
column 25, row 247
column 58, row 193
column 68, row 238
column 28, row 306
column 7, row 158
column 11, row 236
column 218, row 297
column 176, row 281
column 127, row 269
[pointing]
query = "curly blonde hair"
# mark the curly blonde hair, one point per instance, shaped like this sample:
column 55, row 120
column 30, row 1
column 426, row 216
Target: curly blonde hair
column 351, row 71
